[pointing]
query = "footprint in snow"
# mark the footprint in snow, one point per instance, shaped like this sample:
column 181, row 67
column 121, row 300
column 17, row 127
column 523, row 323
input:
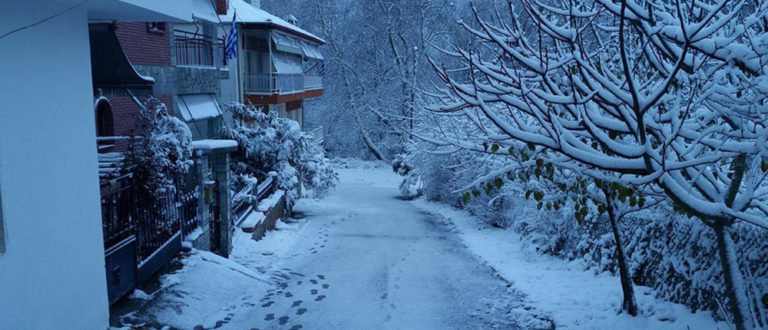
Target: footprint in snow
column 283, row 320
column 269, row 317
column 297, row 303
column 320, row 298
column 301, row 311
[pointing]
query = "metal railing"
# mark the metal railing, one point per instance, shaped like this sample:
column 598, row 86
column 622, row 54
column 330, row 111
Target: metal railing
column 242, row 202
column 313, row 82
column 316, row 132
column 275, row 83
column 195, row 50
column 158, row 221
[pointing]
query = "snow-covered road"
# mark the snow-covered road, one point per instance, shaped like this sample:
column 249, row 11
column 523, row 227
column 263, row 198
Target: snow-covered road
column 362, row 258
column 367, row 260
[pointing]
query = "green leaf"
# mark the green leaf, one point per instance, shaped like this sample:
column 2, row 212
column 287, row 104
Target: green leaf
column 641, row 201
column 498, row 182
column 475, row 193
column 531, row 147
column 632, row 201
column 538, row 196
column 495, row 148
column 528, row 194
column 764, row 166
column 466, row 198
column 511, row 151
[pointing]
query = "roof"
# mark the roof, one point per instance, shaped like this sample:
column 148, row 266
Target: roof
column 149, row 10
column 248, row 14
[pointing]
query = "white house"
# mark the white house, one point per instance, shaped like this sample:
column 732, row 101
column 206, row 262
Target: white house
column 51, row 249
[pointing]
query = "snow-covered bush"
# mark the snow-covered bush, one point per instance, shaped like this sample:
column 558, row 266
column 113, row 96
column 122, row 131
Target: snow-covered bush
column 161, row 152
column 411, row 186
column 666, row 251
column 268, row 143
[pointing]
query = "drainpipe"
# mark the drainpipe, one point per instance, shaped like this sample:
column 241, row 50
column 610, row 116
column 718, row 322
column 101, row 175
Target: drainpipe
column 269, row 42
column 239, row 84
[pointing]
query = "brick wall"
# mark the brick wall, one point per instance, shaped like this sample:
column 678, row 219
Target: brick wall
column 144, row 47
column 124, row 112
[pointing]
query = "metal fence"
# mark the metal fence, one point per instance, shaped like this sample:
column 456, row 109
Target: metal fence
column 157, row 219
column 188, row 211
column 116, row 210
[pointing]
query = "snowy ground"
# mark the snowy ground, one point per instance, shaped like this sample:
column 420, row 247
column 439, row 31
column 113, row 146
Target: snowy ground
column 364, row 259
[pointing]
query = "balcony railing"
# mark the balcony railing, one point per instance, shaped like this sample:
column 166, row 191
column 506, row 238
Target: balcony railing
column 192, row 50
column 313, row 82
column 275, row 83
column 317, row 134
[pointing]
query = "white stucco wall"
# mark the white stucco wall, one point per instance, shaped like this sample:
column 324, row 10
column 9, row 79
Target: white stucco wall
column 52, row 273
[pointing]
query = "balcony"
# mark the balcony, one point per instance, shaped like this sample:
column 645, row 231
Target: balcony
column 281, row 84
column 196, row 51
column 313, row 82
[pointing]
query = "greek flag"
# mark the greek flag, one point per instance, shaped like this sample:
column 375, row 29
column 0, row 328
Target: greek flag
column 230, row 45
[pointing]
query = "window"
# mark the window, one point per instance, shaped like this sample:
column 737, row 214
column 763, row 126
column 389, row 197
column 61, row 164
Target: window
column 157, row 27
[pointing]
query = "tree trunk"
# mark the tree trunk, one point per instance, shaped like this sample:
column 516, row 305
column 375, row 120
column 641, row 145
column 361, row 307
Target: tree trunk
column 629, row 303
column 734, row 281
column 371, row 146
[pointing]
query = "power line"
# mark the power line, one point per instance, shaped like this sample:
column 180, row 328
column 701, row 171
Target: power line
column 43, row 20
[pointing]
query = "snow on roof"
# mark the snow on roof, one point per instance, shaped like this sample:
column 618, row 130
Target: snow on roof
column 246, row 13
column 150, row 10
